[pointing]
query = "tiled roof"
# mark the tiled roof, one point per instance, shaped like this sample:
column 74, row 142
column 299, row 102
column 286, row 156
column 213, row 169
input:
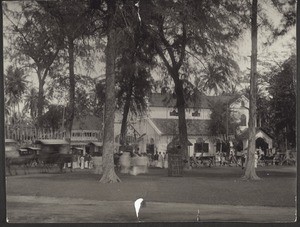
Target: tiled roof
column 170, row 126
column 198, row 101
column 88, row 122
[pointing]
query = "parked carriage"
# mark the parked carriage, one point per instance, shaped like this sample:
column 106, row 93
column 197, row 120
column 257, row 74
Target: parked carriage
column 13, row 157
column 54, row 152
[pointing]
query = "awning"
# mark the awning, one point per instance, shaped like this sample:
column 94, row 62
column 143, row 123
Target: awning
column 98, row 144
column 22, row 149
column 10, row 141
column 52, row 142
column 34, row 148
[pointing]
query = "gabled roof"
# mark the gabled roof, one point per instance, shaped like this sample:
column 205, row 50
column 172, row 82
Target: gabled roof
column 88, row 122
column 199, row 100
column 170, row 126
column 245, row 133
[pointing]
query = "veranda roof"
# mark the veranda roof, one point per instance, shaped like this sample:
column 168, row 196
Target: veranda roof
column 52, row 142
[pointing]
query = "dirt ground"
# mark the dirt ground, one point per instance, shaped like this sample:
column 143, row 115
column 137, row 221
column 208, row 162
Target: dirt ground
column 218, row 193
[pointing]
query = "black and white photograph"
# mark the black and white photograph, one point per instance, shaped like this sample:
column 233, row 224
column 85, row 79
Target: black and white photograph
column 149, row 111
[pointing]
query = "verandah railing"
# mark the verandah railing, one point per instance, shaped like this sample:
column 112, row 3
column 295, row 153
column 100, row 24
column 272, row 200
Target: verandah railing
column 28, row 134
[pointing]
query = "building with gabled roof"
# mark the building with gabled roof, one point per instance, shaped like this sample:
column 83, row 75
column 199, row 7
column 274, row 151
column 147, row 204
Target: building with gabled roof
column 160, row 125
column 86, row 129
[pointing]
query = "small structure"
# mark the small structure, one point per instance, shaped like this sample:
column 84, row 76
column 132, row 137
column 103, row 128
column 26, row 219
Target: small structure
column 53, row 146
column 86, row 130
column 94, row 148
column 175, row 162
column 11, row 148
column 29, row 151
column 263, row 140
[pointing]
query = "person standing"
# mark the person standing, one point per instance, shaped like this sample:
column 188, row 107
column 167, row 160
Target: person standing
column 160, row 160
column 256, row 159
column 166, row 161
column 82, row 162
column 155, row 159
column 125, row 162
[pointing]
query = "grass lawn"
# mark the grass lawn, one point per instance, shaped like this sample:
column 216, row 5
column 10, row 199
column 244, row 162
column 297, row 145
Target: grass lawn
column 215, row 186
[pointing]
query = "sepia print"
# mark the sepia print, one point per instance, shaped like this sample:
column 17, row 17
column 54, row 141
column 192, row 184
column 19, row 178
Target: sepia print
column 126, row 111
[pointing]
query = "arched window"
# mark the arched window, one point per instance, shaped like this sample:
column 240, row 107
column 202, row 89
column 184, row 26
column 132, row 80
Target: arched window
column 243, row 120
column 242, row 103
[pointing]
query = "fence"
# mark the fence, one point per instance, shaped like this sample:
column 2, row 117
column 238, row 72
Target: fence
column 27, row 134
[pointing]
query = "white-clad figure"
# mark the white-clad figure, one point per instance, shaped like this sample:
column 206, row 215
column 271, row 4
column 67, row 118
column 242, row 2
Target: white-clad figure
column 97, row 160
column 166, row 161
column 75, row 163
column 135, row 167
column 86, row 162
column 82, row 162
column 139, row 164
column 255, row 159
column 125, row 162
column 160, row 160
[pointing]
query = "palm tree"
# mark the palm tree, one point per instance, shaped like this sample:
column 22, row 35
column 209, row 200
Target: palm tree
column 216, row 78
column 15, row 86
column 31, row 104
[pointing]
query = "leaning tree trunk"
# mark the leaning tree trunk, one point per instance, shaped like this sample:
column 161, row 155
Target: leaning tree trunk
column 183, row 137
column 71, row 111
column 250, row 173
column 109, row 175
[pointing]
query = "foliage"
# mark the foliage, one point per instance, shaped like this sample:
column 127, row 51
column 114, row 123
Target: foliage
column 75, row 20
column 192, row 32
column 53, row 117
column 223, row 123
column 34, row 42
column 31, row 103
column 283, row 101
column 15, row 85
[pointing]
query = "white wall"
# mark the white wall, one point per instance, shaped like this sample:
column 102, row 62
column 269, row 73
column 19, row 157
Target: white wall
column 238, row 110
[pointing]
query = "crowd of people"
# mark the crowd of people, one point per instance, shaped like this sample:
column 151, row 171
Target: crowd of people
column 136, row 162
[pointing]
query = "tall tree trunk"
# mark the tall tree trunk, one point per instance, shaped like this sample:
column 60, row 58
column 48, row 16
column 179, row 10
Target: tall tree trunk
column 109, row 175
column 125, row 116
column 72, row 89
column 183, row 137
column 40, row 101
column 250, row 173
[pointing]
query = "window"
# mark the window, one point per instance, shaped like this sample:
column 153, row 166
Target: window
column 243, row 120
column 196, row 114
column 174, row 113
column 201, row 147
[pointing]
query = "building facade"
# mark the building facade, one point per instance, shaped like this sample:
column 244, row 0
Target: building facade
column 160, row 125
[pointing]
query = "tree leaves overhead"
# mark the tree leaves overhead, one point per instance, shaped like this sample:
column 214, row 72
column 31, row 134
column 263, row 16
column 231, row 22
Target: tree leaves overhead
column 35, row 34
